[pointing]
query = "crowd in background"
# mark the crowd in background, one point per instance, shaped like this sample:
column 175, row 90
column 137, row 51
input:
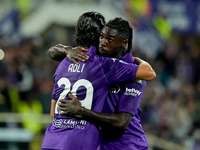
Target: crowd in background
column 171, row 103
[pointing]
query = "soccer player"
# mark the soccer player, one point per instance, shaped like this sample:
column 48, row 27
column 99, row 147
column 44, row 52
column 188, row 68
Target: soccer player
column 69, row 133
column 119, row 121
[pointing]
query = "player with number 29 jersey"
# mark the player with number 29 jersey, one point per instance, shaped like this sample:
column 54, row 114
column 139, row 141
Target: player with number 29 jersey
column 90, row 82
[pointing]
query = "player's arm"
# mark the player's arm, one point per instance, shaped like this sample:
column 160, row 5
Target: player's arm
column 119, row 71
column 59, row 52
column 145, row 71
column 53, row 105
column 113, row 121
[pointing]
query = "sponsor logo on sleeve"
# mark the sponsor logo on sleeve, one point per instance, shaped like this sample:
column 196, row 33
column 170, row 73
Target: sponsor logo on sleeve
column 132, row 91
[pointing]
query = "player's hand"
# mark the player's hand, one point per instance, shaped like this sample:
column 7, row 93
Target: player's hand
column 57, row 52
column 69, row 107
column 76, row 54
column 137, row 60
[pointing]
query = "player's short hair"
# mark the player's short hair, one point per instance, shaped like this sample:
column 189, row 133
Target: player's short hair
column 88, row 29
column 124, row 29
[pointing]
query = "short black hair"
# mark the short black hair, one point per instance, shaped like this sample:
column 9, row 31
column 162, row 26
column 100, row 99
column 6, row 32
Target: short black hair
column 88, row 29
column 124, row 29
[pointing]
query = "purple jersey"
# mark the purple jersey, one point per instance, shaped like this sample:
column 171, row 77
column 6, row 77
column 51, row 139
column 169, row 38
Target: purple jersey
column 126, row 97
column 90, row 82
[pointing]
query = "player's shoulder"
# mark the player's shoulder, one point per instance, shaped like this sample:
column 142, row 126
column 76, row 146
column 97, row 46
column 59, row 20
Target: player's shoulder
column 62, row 65
column 64, row 62
column 106, row 60
column 92, row 51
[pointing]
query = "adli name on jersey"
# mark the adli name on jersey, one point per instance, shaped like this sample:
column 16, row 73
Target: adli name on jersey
column 76, row 68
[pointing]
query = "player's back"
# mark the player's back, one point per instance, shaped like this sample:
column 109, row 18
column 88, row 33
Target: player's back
column 90, row 82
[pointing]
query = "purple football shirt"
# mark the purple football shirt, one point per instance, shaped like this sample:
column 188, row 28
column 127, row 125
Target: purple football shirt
column 90, row 82
column 126, row 97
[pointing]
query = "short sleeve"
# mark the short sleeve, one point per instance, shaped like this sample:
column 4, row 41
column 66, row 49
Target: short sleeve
column 131, row 97
column 118, row 71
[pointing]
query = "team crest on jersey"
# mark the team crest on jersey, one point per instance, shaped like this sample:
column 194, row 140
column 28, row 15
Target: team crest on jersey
column 138, row 81
column 115, row 88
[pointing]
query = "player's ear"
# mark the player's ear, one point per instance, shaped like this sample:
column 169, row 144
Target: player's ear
column 125, row 43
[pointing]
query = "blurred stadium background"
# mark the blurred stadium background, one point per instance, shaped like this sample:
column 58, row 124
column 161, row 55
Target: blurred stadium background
column 166, row 34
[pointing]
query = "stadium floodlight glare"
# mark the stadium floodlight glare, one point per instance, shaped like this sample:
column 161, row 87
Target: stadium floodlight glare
column 1, row 54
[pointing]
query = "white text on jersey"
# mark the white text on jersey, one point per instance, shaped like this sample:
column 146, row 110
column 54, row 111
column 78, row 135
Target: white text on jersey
column 76, row 68
column 132, row 92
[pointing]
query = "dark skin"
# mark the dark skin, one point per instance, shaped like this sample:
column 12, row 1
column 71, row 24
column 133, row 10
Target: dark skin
column 112, row 45
column 59, row 52
column 113, row 124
